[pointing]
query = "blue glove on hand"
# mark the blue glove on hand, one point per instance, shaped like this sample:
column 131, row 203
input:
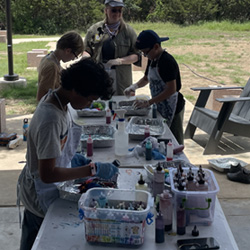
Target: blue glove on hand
column 105, row 170
column 79, row 160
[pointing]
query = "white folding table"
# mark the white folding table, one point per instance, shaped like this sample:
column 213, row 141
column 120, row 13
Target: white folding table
column 62, row 228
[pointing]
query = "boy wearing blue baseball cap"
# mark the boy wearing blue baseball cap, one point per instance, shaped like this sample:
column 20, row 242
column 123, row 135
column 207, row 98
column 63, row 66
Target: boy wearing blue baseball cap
column 163, row 75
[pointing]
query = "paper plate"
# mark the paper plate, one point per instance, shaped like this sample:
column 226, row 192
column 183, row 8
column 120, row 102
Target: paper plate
column 224, row 164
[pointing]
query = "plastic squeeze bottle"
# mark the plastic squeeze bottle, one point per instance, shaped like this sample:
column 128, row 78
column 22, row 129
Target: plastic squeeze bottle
column 146, row 132
column 121, row 136
column 148, row 150
column 108, row 116
column 181, row 220
column 89, row 146
column 159, row 228
column 154, row 111
column 158, row 180
column 169, row 151
column 191, row 182
column 167, row 209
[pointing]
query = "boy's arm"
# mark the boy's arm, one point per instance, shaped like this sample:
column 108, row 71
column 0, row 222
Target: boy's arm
column 49, row 173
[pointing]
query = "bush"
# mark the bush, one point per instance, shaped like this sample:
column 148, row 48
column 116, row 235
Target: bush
column 54, row 16
column 184, row 11
column 57, row 16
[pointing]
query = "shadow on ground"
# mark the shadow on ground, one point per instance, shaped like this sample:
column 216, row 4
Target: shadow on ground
column 229, row 144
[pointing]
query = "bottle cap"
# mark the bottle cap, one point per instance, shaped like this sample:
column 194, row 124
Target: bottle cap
column 148, row 143
column 166, row 194
column 89, row 139
column 141, row 181
column 159, row 168
column 108, row 112
column 116, row 163
column 195, row 232
column 170, row 142
column 159, row 215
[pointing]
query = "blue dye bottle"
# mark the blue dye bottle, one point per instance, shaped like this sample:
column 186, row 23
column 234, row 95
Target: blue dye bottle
column 159, row 228
column 148, row 150
column 25, row 129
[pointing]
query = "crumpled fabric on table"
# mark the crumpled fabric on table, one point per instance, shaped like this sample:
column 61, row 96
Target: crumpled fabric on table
column 154, row 141
column 106, row 170
column 157, row 155
column 139, row 150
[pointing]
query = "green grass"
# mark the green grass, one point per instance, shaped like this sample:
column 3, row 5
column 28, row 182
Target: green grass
column 217, row 36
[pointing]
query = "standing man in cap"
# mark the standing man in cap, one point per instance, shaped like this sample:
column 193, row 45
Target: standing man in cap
column 163, row 74
column 112, row 42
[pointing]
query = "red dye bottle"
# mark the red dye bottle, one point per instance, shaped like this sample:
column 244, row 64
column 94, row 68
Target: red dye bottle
column 89, row 146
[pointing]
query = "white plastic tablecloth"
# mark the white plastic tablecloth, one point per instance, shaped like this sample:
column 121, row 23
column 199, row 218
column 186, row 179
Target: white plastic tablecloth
column 62, row 229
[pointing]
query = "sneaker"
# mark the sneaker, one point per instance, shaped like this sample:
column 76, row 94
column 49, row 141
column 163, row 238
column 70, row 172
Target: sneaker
column 14, row 143
column 242, row 176
column 235, row 167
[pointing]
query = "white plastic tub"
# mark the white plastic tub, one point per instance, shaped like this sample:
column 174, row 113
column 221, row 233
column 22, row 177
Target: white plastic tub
column 113, row 225
column 199, row 205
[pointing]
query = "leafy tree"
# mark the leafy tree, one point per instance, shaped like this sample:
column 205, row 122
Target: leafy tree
column 54, row 16
column 184, row 11
column 138, row 10
column 2, row 15
column 58, row 16
column 234, row 10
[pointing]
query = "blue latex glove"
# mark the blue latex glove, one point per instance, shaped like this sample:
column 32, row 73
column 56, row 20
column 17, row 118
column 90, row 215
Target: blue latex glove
column 79, row 160
column 157, row 155
column 105, row 170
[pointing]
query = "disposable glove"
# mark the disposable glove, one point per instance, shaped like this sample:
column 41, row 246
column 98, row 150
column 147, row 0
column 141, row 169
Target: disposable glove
column 79, row 160
column 140, row 104
column 105, row 170
column 157, row 155
column 113, row 62
column 130, row 91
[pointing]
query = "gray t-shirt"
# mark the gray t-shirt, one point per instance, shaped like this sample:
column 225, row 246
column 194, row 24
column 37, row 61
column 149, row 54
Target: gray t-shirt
column 47, row 135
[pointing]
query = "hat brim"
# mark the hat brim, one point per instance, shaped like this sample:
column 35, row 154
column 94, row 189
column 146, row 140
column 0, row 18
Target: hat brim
column 115, row 4
column 162, row 39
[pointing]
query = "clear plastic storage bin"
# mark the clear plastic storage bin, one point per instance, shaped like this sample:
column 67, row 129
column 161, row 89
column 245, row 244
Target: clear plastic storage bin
column 199, row 205
column 109, row 217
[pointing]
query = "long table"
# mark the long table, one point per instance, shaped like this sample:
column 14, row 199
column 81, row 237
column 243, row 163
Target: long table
column 62, row 229
column 108, row 154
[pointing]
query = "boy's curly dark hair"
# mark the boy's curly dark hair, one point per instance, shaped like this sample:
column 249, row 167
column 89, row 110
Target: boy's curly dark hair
column 87, row 78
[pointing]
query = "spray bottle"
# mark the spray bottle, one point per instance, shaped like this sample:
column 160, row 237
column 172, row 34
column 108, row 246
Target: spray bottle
column 121, row 136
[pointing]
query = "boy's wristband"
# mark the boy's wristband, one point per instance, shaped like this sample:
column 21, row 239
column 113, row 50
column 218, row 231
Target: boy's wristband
column 92, row 168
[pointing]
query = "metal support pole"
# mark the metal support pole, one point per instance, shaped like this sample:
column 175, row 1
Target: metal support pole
column 11, row 76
